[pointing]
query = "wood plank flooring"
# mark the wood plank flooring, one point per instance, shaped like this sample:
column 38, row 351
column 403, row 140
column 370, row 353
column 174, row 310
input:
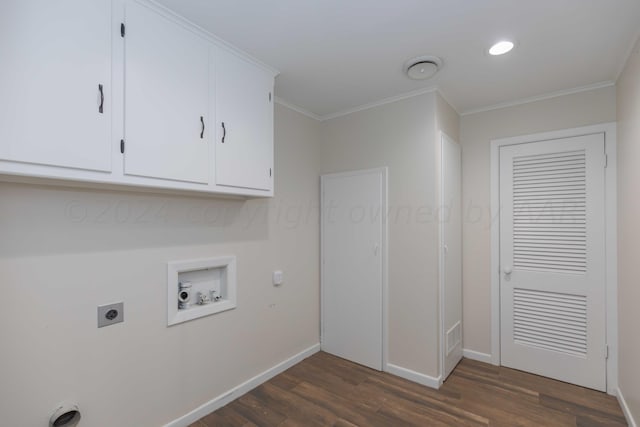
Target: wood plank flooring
column 324, row 390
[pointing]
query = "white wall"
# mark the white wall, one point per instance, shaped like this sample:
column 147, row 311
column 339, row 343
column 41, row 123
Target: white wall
column 629, row 231
column 400, row 135
column 65, row 251
column 476, row 133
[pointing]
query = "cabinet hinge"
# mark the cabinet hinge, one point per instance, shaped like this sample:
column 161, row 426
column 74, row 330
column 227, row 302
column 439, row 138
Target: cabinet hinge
column 606, row 161
column 606, row 352
column 269, row 96
column 122, row 30
column 122, row 146
column 269, row 171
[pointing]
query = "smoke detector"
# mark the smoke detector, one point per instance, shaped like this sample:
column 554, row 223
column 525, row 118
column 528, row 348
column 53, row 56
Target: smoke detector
column 422, row 67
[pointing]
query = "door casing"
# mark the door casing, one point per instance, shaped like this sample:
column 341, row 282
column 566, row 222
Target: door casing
column 609, row 129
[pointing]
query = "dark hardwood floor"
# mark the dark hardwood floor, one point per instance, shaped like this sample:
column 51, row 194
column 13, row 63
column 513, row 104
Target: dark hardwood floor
column 324, row 390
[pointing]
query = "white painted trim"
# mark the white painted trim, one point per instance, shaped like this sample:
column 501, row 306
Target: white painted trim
column 609, row 129
column 495, row 253
column 385, row 270
column 611, row 242
column 625, row 409
column 219, row 401
column 476, row 355
column 442, row 353
column 537, row 98
column 384, row 250
column 297, row 109
column 378, row 103
column 606, row 128
column 407, row 95
column 416, row 377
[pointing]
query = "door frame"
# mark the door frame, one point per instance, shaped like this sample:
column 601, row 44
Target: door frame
column 384, row 171
column 611, row 285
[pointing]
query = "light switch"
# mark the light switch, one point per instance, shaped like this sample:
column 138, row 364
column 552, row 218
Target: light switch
column 278, row 278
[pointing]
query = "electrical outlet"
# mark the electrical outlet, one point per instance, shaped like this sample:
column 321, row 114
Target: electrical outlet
column 110, row 314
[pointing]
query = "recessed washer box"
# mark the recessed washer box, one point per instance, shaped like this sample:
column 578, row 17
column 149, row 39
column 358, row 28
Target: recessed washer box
column 200, row 287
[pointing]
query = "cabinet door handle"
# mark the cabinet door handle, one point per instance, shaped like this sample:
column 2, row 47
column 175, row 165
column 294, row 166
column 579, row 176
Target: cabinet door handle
column 224, row 132
column 202, row 131
column 101, row 106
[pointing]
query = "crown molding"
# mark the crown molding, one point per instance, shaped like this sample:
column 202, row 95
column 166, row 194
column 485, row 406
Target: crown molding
column 297, row 109
column 419, row 92
column 537, row 98
column 348, row 111
column 378, row 103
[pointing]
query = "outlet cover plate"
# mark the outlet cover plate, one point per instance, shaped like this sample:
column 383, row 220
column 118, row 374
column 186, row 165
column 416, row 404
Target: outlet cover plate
column 110, row 314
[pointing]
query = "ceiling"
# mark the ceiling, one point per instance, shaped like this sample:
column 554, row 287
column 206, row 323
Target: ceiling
column 336, row 55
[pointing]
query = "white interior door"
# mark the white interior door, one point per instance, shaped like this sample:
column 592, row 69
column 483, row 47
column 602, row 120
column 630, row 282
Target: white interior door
column 166, row 98
column 451, row 254
column 353, row 241
column 552, row 258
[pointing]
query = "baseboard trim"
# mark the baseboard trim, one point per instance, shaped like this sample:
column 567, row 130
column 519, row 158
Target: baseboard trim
column 476, row 355
column 414, row 376
column 245, row 387
column 625, row 409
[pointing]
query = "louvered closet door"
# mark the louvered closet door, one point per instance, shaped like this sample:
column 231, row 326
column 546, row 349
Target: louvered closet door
column 552, row 259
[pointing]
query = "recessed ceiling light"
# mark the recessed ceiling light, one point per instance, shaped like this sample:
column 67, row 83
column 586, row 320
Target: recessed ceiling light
column 422, row 67
column 501, row 47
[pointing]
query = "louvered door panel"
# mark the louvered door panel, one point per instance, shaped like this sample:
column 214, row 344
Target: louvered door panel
column 552, row 259
column 549, row 220
column 550, row 321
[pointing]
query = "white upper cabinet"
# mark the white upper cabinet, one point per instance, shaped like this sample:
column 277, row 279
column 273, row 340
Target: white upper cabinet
column 125, row 92
column 55, row 83
column 167, row 90
column 244, row 113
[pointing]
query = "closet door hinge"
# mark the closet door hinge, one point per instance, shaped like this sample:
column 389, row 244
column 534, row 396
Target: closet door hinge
column 606, row 352
column 606, row 161
column 269, row 96
column 122, row 146
column 269, row 171
column 122, row 30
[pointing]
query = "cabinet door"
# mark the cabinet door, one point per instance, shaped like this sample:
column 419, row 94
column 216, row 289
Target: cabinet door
column 244, row 112
column 55, row 61
column 166, row 98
